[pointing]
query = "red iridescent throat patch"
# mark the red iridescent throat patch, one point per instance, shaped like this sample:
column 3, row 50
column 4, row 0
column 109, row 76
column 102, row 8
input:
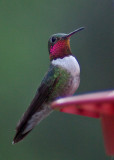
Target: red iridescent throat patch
column 60, row 49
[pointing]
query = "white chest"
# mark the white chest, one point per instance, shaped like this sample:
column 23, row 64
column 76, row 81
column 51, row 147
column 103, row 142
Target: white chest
column 69, row 63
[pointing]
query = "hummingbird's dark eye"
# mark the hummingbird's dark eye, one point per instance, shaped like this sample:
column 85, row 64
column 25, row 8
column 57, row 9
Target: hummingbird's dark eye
column 53, row 39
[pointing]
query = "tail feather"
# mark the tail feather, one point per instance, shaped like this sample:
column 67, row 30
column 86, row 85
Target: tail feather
column 26, row 125
column 19, row 136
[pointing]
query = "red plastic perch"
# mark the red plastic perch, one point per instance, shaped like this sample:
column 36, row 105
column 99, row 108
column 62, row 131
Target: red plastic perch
column 96, row 105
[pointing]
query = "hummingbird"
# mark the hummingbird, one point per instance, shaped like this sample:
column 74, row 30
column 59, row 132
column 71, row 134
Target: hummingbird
column 61, row 80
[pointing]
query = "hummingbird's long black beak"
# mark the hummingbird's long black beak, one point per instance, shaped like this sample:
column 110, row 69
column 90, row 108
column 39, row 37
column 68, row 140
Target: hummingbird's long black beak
column 71, row 33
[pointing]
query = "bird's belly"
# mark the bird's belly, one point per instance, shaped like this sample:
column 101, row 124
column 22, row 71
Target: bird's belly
column 72, row 86
column 65, row 89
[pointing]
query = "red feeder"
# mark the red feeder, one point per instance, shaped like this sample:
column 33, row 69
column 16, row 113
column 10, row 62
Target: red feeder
column 96, row 105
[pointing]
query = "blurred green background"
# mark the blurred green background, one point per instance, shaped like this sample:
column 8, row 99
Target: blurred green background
column 25, row 27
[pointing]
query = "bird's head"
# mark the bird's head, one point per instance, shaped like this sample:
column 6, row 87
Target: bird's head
column 59, row 44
